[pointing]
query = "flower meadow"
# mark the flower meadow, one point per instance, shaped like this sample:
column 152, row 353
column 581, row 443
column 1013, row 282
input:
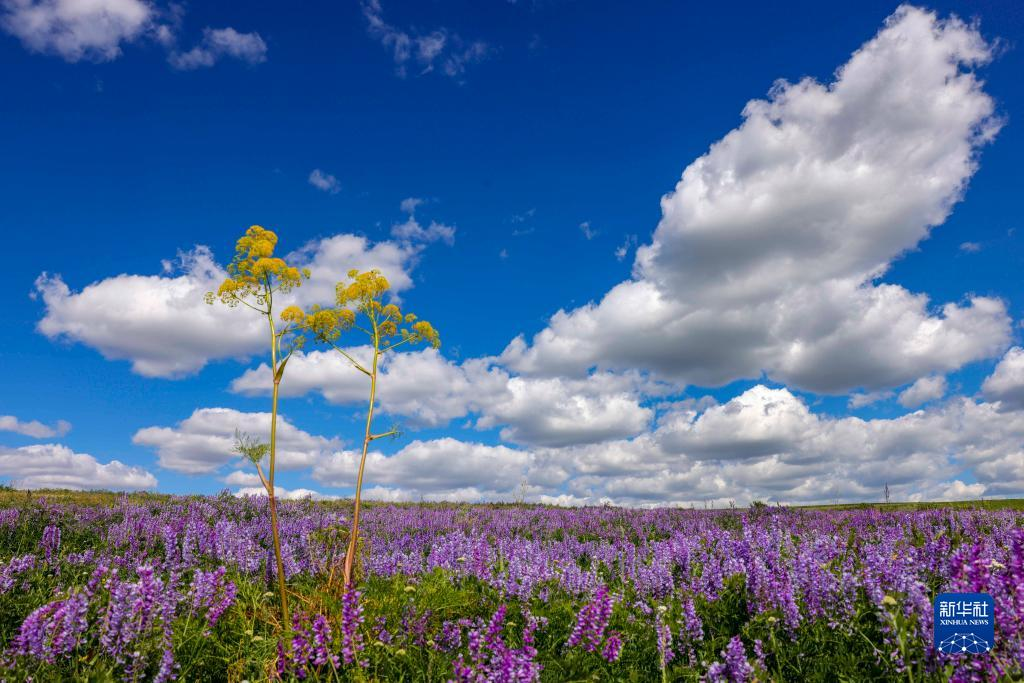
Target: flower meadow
column 159, row 588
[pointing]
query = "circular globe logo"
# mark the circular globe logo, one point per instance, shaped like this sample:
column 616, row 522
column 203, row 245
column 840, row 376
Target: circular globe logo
column 964, row 643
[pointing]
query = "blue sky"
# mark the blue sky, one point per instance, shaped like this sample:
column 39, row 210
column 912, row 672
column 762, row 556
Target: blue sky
column 545, row 134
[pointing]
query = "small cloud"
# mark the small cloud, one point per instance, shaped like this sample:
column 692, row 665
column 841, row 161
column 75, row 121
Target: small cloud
column 324, row 181
column 437, row 50
column 284, row 494
column 240, row 478
column 520, row 219
column 623, row 249
column 503, row 254
column 523, row 217
column 588, row 232
column 92, row 31
column 456, row 63
column 413, row 231
column 34, row 428
column 923, row 390
column 409, row 204
column 866, row 399
column 221, row 42
column 970, row 247
column 98, row 30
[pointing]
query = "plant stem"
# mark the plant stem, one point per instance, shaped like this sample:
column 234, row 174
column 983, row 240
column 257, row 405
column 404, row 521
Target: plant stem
column 350, row 555
column 282, row 589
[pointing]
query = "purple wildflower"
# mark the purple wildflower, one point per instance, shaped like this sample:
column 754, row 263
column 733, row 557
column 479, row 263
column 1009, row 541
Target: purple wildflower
column 381, row 629
column 12, row 569
column 693, row 627
column 735, row 668
column 491, row 660
column 54, row 630
column 612, row 647
column 50, row 543
column 664, row 635
column 212, row 594
column 351, row 619
column 311, row 647
column 592, row 621
column 451, row 636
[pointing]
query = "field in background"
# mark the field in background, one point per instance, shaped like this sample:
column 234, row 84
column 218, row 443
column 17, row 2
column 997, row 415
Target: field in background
column 103, row 586
column 12, row 497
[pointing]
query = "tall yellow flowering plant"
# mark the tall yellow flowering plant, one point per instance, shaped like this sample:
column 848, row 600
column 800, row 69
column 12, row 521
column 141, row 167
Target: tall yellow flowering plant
column 255, row 276
column 359, row 305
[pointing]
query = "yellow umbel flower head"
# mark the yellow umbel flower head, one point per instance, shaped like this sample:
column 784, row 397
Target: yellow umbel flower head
column 255, row 273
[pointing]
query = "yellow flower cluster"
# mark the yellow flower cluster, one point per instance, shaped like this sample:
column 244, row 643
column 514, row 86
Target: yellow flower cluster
column 365, row 290
column 255, row 272
column 256, row 243
column 294, row 315
column 327, row 324
column 423, row 332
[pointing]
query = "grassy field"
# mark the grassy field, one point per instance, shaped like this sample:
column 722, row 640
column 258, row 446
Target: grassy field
column 101, row 586
column 12, row 497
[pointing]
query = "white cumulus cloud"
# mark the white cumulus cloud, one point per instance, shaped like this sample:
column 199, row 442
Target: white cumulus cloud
column 923, row 390
column 203, row 442
column 56, row 466
column 422, row 468
column 431, row 390
column 162, row 325
column 1006, row 383
column 768, row 255
column 33, row 428
column 285, row 494
column 93, row 30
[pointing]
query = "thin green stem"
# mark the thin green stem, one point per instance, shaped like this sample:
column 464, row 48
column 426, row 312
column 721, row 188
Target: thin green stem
column 353, row 537
column 271, row 471
column 351, row 360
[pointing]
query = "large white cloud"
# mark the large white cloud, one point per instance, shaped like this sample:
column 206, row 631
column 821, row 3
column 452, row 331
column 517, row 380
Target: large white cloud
column 162, row 324
column 330, row 259
column 431, row 390
column 158, row 322
column 770, row 247
column 440, row 467
column 421, row 384
column 1006, row 383
column 203, row 442
column 56, row 466
column 562, row 412
column 766, row 443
